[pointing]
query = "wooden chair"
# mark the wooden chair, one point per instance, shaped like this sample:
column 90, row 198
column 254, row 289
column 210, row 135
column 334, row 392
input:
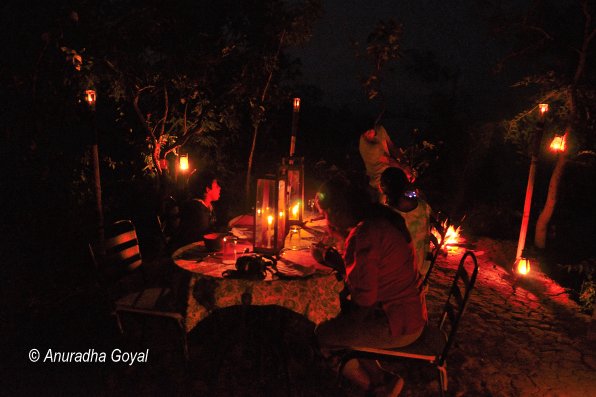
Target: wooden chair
column 123, row 256
column 434, row 343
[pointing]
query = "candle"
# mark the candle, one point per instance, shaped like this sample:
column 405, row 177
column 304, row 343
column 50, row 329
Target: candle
column 269, row 231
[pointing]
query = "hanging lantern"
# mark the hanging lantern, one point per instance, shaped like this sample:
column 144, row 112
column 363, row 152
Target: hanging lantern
column 184, row 162
column 522, row 266
column 559, row 143
column 90, row 97
column 293, row 169
column 270, row 215
column 543, row 108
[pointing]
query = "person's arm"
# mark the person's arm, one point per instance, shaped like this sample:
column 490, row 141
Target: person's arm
column 394, row 151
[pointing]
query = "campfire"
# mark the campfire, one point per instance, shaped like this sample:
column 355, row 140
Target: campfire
column 453, row 238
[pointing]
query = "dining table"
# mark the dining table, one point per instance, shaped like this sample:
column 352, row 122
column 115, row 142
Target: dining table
column 297, row 282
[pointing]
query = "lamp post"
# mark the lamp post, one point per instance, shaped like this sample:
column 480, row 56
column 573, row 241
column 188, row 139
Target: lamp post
column 535, row 144
column 91, row 99
column 295, row 114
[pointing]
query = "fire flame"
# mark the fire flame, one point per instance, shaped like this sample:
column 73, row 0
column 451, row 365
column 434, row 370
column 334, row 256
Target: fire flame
column 452, row 236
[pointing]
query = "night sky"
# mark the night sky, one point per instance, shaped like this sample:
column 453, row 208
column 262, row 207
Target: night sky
column 454, row 32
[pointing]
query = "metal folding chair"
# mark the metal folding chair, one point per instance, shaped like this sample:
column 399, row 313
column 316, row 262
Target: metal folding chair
column 434, row 343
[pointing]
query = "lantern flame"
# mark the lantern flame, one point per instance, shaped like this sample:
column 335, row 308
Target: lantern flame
column 523, row 266
column 296, row 104
column 559, row 143
column 184, row 162
column 90, row 97
column 269, row 220
column 543, row 108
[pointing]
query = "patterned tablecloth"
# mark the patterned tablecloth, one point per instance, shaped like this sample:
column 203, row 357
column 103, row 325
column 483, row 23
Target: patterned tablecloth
column 314, row 293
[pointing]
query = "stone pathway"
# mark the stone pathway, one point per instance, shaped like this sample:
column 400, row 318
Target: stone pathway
column 521, row 337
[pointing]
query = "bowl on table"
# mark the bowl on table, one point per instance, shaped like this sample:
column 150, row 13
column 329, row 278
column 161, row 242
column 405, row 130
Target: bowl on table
column 213, row 241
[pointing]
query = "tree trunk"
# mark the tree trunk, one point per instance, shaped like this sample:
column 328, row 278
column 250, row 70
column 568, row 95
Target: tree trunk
column 250, row 160
column 551, row 202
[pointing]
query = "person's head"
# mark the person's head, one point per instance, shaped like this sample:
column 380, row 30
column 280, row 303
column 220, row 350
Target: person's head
column 394, row 183
column 343, row 204
column 204, row 184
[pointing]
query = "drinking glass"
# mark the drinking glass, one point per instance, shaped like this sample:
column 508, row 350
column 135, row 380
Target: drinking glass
column 229, row 250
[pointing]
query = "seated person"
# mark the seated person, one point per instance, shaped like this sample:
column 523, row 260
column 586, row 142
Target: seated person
column 384, row 307
column 405, row 200
column 197, row 216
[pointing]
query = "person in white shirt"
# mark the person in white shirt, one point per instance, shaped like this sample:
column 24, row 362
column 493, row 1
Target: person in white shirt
column 379, row 153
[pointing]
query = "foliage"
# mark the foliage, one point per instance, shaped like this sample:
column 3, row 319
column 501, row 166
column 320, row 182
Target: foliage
column 167, row 74
column 382, row 47
column 585, row 269
column 553, row 40
column 420, row 154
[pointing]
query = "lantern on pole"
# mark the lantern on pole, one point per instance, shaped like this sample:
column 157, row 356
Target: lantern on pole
column 184, row 162
column 270, row 215
column 90, row 97
column 535, row 145
column 295, row 114
column 543, row 108
column 522, row 266
column 559, row 143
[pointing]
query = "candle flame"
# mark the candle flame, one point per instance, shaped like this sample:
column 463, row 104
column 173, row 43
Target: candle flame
column 270, row 220
column 296, row 104
column 295, row 210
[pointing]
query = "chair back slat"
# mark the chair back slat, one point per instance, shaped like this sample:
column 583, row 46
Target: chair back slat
column 453, row 311
column 437, row 245
column 123, row 238
column 122, row 246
